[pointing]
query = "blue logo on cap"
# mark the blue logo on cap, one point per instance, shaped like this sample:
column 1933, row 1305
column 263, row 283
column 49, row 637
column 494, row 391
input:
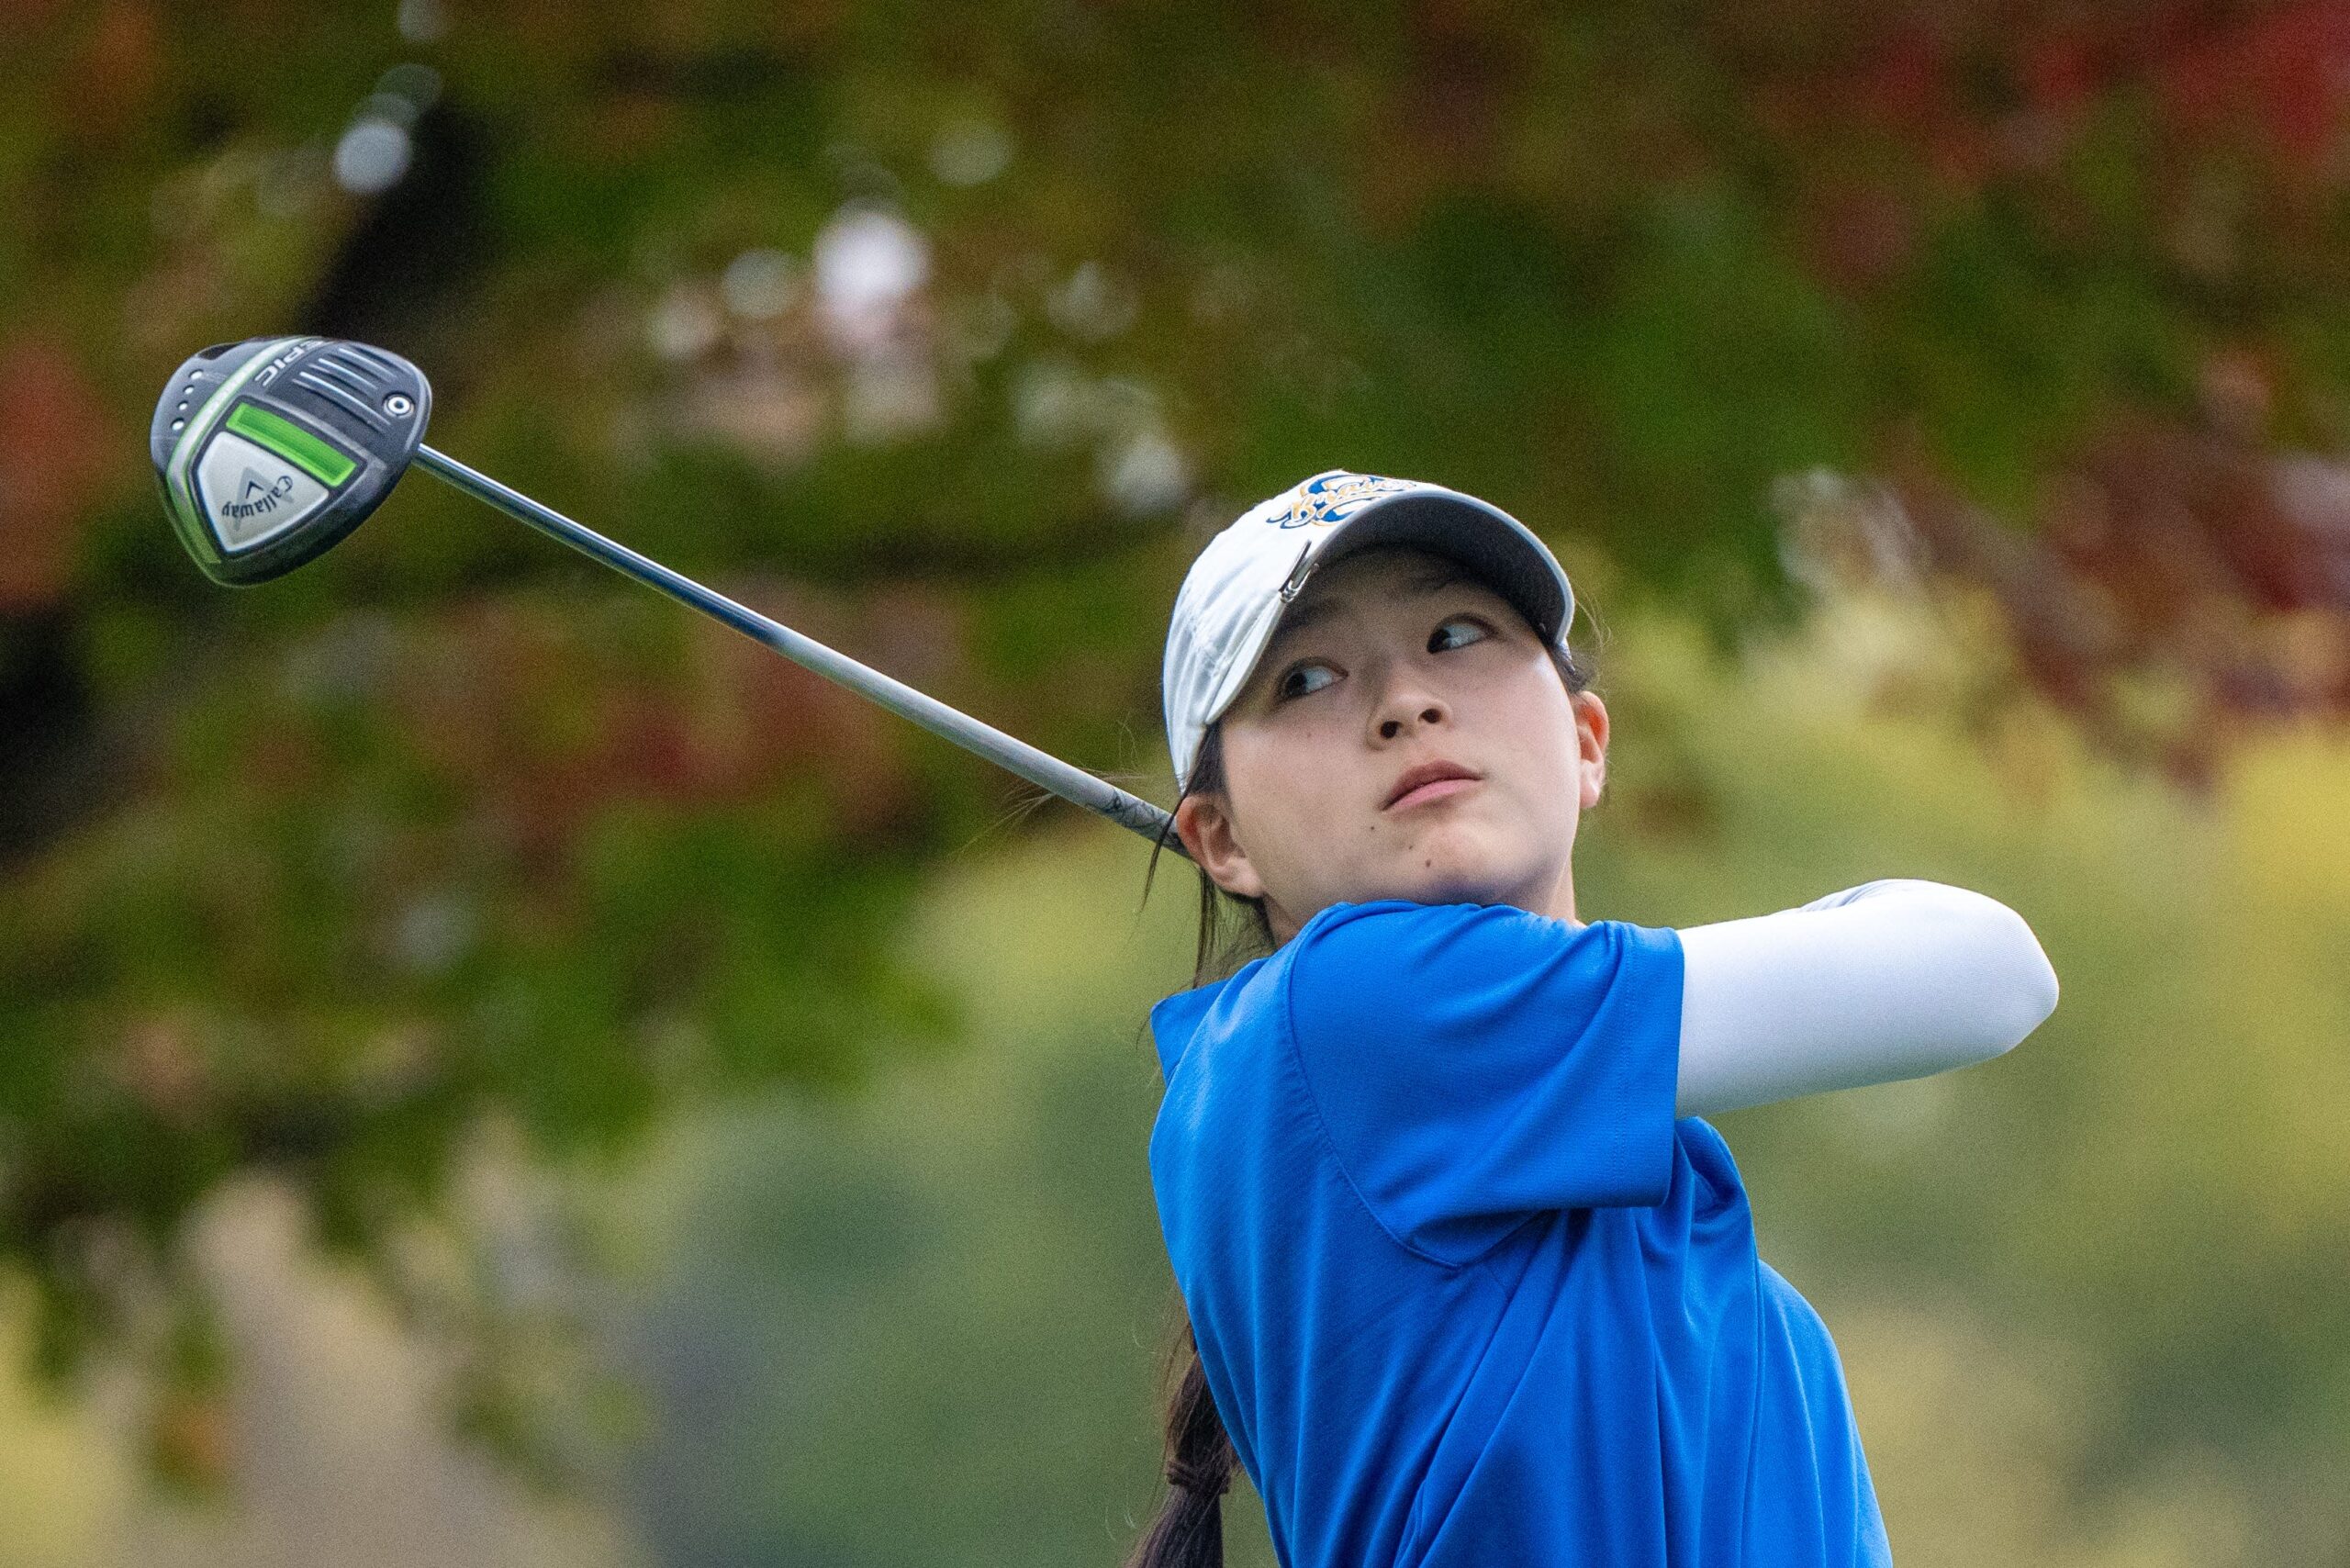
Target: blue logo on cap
column 1335, row 497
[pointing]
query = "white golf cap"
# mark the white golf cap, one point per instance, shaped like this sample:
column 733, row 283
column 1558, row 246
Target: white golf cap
column 1232, row 598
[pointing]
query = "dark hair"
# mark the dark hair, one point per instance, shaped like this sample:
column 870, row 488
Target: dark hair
column 1189, row 1530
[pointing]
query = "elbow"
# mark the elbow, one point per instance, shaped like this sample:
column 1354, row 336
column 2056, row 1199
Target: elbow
column 2026, row 988
column 1999, row 980
column 2042, row 991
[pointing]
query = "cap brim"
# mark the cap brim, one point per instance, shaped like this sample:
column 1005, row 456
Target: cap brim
column 1492, row 546
column 1496, row 546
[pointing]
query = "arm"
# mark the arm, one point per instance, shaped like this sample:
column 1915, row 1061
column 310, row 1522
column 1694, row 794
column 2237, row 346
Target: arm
column 1894, row 978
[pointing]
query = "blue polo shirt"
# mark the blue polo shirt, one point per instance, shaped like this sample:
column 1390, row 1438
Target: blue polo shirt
column 1466, row 1293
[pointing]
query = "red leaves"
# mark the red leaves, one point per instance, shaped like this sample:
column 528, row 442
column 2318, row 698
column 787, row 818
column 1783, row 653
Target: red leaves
column 2187, row 549
column 2286, row 69
column 57, row 442
column 1973, row 97
column 528, row 714
column 109, row 87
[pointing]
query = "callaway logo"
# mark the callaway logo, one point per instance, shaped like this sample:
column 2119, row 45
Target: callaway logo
column 1334, row 497
column 258, row 496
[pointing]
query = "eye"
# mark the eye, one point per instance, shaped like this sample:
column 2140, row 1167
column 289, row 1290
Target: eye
column 1437, row 643
column 1296, row 681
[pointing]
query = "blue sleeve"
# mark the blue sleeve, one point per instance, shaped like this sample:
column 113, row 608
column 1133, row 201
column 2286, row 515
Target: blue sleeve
column 1475, row 1063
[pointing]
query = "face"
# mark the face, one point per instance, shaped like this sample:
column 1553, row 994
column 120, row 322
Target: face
column 1391, row 661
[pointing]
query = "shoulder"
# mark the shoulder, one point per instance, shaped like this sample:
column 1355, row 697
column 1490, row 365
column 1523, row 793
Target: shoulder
column 1399, row 922
column 1385, row 936
column 1403, row 968
column 1473, row 1063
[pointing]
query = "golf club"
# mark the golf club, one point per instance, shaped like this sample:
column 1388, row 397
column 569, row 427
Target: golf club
column 271, row 451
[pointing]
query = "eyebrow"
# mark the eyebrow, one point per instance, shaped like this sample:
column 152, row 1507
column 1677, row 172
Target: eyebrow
column 1427, row 579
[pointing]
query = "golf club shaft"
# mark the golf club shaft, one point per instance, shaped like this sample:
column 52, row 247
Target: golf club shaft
column 1039, row 768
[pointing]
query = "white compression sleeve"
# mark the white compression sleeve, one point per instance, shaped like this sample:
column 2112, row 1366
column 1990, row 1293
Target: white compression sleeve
column 1894, row 978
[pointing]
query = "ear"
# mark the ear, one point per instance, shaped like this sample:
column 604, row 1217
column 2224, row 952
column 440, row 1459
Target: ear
column 1590, row 740
column 1206, row 829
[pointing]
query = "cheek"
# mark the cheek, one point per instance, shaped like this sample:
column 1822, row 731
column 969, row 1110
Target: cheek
column 1287, row 788
column 1265, row 772
column 1283, row 758
column 1540, row 728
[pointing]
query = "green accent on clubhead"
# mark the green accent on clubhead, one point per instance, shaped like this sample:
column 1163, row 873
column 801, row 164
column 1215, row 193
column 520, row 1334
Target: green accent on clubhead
column 195, row 534
column 323, row 463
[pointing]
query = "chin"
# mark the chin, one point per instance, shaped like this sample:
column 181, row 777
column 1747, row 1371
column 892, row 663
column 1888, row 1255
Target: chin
column 1457, row 874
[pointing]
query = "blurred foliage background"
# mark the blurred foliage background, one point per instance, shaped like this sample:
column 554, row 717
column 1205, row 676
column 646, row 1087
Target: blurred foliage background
column 495, row 1068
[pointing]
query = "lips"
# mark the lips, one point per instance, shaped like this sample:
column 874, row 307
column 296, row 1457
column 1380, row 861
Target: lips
column 1427, row 773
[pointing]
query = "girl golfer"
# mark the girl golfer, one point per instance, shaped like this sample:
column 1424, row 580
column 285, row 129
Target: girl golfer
column 1469, row 1283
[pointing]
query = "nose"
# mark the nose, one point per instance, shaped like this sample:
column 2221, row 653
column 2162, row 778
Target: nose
column 1407, row 704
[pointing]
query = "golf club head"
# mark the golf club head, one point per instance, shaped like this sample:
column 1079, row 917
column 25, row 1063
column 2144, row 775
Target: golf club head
column 270, row 451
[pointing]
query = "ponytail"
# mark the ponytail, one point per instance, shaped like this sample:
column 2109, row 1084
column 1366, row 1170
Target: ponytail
column 1187, row 1531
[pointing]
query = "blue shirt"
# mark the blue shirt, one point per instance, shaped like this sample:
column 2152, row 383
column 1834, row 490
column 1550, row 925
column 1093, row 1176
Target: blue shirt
column 1467, row 1293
